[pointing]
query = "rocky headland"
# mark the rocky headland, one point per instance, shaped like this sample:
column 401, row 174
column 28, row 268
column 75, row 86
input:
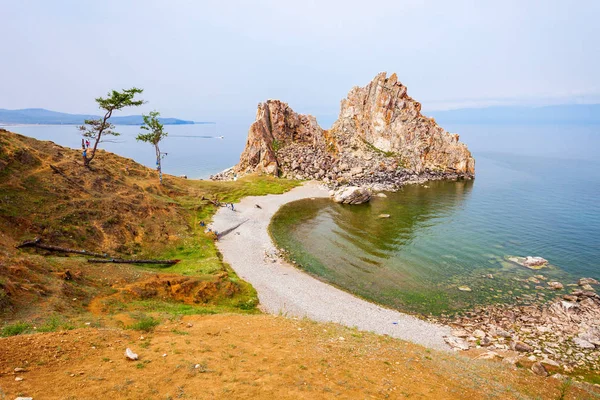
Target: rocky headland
column 380, row 141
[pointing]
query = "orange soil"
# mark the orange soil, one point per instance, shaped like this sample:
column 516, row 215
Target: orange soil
column 254, row 356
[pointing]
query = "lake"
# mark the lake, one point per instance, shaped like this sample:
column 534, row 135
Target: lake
column 536, row 192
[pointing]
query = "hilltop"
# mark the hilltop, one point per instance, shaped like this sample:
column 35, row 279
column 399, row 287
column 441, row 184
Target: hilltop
column 195, row 325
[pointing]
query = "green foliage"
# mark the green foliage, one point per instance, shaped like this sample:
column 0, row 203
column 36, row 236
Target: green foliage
column 155, row 134
column 145, row 323
column 155, row 129
column 18, row 328
column 277, row 144
column 95, row 128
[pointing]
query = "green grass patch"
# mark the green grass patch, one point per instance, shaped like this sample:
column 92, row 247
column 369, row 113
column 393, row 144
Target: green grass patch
column 54, row 324
column 18, row 328
column 145, row 323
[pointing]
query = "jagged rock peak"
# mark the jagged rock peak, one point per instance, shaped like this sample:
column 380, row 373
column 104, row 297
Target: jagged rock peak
column 380, row 138
column 383, row 115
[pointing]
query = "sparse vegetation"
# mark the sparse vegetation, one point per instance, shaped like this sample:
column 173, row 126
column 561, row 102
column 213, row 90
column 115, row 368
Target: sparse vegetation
column 145, row 323
column 17, row 328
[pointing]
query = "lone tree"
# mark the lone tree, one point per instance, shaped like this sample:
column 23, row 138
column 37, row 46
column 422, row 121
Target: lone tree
column 154, row 135
column 94, row 128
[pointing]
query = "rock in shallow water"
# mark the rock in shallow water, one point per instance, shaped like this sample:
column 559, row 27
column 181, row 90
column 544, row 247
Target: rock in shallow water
column 351, row 195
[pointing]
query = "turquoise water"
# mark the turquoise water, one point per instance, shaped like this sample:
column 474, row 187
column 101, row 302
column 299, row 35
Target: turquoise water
column 442, row 235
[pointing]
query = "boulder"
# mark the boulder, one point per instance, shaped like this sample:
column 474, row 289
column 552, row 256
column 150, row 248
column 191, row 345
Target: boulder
column 351, row 195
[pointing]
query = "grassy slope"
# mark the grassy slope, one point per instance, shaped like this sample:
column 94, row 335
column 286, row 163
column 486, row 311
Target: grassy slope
column 118, row 208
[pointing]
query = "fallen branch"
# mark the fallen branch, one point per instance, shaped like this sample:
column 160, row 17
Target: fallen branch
column 226, row 231
column 37, row 242
column 123, row 261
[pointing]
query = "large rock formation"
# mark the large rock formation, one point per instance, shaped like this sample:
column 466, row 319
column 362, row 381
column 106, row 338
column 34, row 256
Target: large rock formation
column 380, row 139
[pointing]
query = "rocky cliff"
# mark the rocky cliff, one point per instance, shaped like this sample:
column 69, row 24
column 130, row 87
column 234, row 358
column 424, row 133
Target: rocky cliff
column 380, row 139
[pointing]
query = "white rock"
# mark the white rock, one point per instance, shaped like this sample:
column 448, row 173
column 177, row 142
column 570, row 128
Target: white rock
column 18, row 379
column 130, row 354
column 456, row 343
column 584, row 344
column 382, row 195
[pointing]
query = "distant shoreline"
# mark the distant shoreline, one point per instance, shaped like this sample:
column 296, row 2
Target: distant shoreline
column 9, row 124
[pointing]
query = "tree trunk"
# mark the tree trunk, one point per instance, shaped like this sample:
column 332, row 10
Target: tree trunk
column 88, row 159
column 158, row 163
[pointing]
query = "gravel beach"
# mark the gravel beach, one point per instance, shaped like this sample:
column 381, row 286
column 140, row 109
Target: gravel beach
column 284, row 289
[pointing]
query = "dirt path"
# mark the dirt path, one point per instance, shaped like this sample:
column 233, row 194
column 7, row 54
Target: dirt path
column 284, row 289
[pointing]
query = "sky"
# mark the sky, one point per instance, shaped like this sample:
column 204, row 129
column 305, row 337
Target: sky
column 215, row 60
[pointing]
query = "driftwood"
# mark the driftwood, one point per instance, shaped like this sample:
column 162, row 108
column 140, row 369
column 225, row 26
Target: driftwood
column 37, row 242
column 226, row 231
column 123, row 261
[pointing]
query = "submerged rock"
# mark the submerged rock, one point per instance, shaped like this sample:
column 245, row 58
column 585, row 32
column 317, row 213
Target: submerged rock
column 464, row 288
column 530, row 262
column 587, row 281
column 351, row 195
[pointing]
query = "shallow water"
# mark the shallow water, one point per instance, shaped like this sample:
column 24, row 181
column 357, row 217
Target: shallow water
column 442, row 235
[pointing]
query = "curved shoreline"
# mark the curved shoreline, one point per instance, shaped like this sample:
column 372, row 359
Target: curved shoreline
column 284, row 289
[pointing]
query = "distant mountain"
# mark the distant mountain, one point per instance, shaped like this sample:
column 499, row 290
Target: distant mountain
column 47, row 117
column 559, row 114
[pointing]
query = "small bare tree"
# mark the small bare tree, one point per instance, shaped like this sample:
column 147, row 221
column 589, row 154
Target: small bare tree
column 154, row 135
column 94, row 129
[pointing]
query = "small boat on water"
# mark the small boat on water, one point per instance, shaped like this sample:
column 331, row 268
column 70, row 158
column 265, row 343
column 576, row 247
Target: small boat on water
column 220, row 137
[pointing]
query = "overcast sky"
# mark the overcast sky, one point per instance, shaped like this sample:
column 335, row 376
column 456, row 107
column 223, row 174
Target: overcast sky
column 206, row 60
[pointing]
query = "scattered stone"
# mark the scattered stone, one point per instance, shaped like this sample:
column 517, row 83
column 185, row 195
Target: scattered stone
column 464, row 288
column 460, row 333
column 383, row 216
column 490, row 276
column 382, row 195
column 130, row 354
column 523, row 347
column 556, row 285
column 539, row 369
column 588, row 287
column 24, row 398
column 19, row 379
column 478, row 333
column 18, row 369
